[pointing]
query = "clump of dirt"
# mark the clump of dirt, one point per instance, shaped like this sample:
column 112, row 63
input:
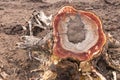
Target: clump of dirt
column 37, row 0
column 13, row 29
column 67, row 70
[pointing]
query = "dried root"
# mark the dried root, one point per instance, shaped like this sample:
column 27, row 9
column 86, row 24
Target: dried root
column 112, row 56
column 42, row 21
column 32, row 42
column 114, row 75
column 112, row 42
column 89, row 72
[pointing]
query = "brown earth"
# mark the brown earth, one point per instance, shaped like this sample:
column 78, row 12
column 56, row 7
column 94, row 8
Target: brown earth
column 15, row 63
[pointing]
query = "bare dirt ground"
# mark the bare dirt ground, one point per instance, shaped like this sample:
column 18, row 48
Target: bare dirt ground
column 15, row 63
